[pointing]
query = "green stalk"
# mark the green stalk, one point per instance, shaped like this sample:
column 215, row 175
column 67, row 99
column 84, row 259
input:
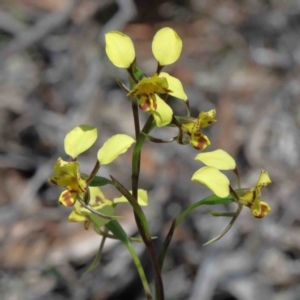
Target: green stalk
column 143, row 228
column 236, row 173
column 136, row 155
column 140, row 218
column 93, row 173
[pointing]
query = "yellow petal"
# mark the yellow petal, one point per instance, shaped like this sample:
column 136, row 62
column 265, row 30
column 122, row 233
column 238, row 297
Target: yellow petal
column 163, row 113
column 263, row 180
column 263, row 210
column 189, row 126
column 142, row 198
column 246, row 196
column 217, row 182
column 119, row 49
column 166, row 46
column 76, row 217
column 150, row 85
column 67, row 174
column 67, row 198
column 218, row 159
column 207, row 118
column 80, row 139
column 97, row 197
column 113, row 147
column 255, row 208
column 199, row 141
column 61, row 166
column 175, row 86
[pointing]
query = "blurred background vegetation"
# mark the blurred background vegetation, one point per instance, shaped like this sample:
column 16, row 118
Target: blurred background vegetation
column 241, row 57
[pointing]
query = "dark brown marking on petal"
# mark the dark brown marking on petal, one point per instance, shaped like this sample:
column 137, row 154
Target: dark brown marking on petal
column 73, row 179
column 249, row 204
column 99, row 199
column 144, row 106
column 254, row 196
column 201, row 143
column 53, row 181
column 260, row 216
column 209, row 122
column 167, row 90
column 67, row 198
column 263, row 209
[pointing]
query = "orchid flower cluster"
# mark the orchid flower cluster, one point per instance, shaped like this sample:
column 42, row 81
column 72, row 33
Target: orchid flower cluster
column 148, row 95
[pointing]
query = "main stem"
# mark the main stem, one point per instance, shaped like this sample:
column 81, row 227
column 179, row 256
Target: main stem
column 140, row 138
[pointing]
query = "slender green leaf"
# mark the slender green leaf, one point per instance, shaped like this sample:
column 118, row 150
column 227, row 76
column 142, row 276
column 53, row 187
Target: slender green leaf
column 211, row 200
column 97, row 258
column 119, row 232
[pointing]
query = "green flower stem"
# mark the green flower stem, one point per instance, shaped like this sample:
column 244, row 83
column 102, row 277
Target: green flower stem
column 93, row 173
column 140, row 218
column 137, row 152
column 131, row 71
column 234, row 194
column 236, row 173
column 135, row 111
column 188, row 110
column 118, row 231
column 137, row 156
column 159, row 68
column 143, row 228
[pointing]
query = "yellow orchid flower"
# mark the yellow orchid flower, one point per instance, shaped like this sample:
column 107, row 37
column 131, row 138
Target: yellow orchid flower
column 99, row 203
column 146, row 89
column 78, row 140
column 192, row 127
column 67, row 174
column 219, row 184
column 251, row 197
column 166, row 48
